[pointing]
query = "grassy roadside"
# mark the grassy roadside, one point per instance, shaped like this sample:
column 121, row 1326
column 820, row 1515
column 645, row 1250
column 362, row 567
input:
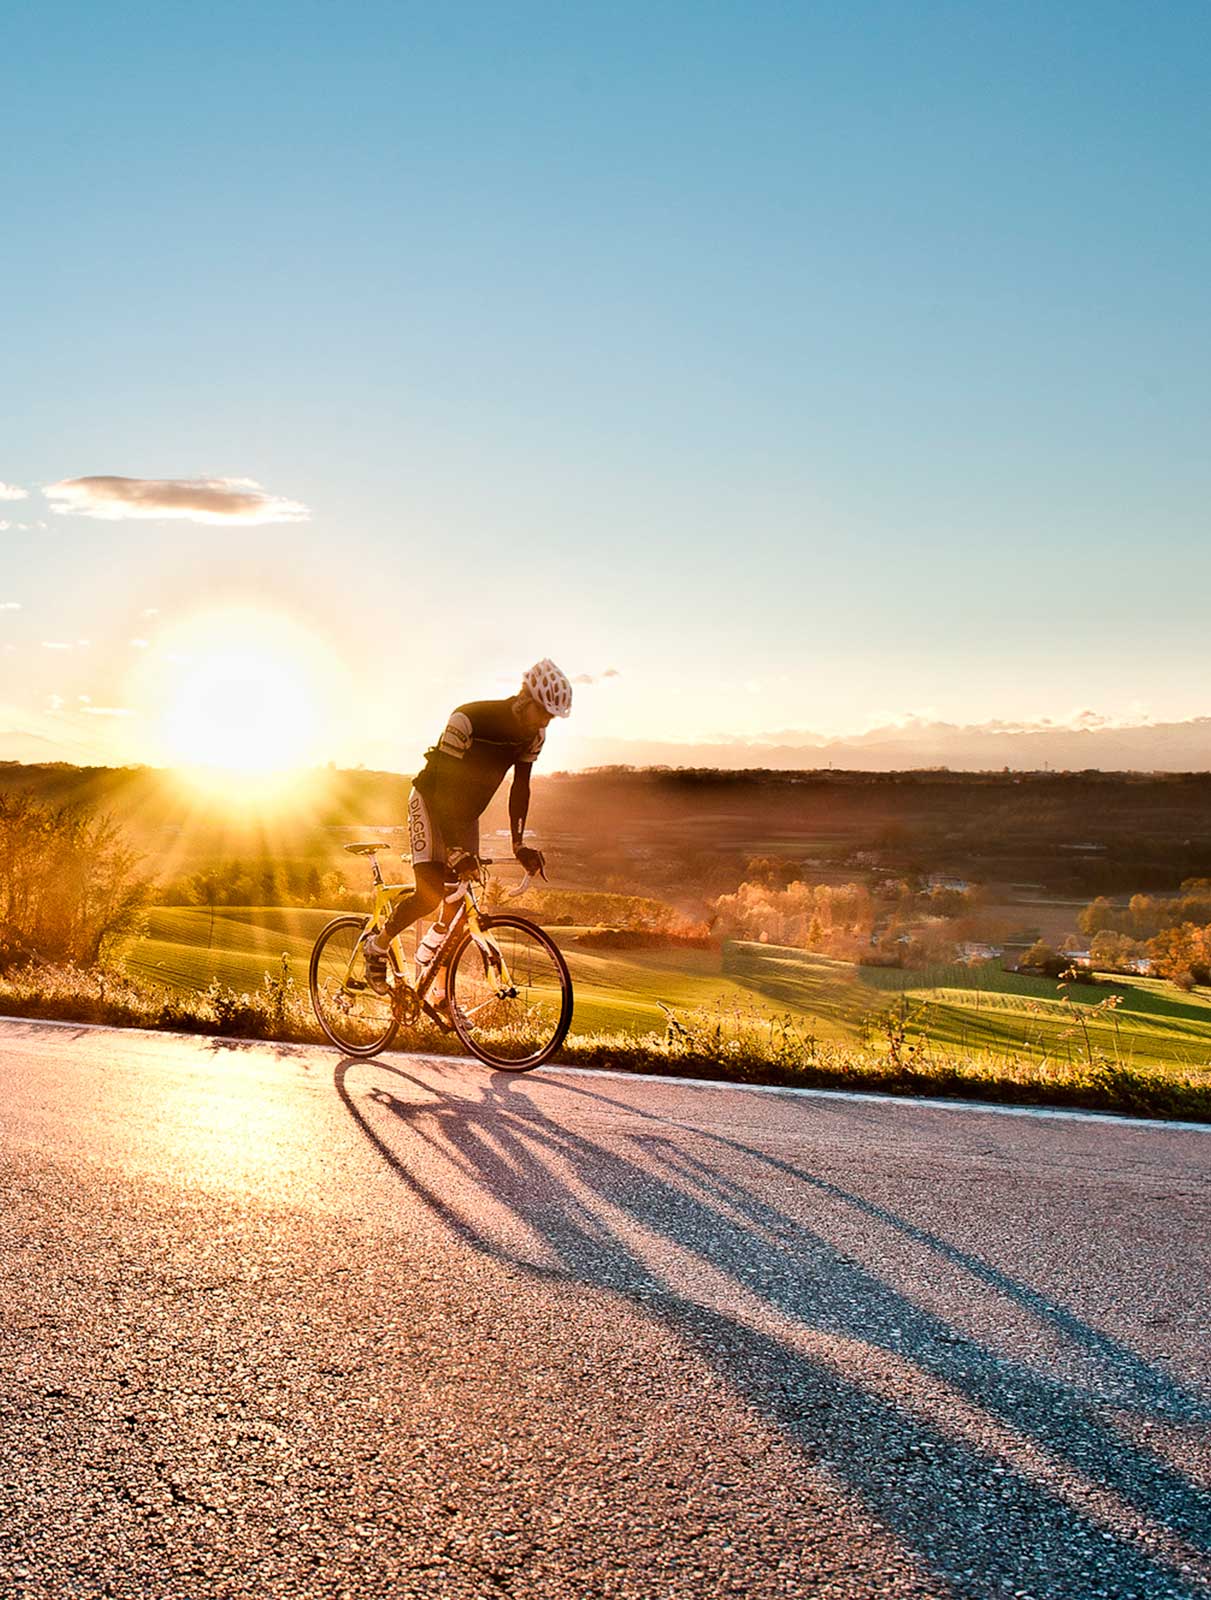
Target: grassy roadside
column 964, row 1009
column 739, row 1047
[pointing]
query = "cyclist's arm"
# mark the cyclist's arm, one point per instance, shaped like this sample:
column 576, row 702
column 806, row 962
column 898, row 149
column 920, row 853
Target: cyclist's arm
column 519, row 802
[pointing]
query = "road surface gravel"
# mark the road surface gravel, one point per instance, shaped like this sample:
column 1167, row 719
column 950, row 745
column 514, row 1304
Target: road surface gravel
column 274, row 1324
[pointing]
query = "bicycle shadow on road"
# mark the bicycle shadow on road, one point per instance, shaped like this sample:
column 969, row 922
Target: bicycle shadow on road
column 968, row 1482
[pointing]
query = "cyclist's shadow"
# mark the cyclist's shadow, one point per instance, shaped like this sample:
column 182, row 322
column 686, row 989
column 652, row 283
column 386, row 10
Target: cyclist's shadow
column 960, row 1516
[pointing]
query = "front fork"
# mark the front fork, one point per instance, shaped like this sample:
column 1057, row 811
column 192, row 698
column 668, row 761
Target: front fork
column 488, row 947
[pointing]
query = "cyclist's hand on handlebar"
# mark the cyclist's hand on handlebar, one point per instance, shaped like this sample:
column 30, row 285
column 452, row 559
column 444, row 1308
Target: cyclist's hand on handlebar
column 533, row 861
column 464, row 865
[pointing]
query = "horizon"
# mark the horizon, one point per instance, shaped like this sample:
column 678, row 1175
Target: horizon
column 898, row 750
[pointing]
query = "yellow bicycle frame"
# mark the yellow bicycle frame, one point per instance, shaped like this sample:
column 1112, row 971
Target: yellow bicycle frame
column 387, row 895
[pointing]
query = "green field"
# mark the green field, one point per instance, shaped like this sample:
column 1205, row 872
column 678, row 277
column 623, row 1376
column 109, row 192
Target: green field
column 969, row 1009
column 183, row 949
column 625, row 990
column 983, row 1009
column 615, row 990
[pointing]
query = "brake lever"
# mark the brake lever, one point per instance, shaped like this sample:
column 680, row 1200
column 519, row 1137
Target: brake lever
column 525, row 883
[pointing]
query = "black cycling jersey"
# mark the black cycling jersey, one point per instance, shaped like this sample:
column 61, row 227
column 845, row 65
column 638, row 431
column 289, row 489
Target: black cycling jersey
column 467, row 765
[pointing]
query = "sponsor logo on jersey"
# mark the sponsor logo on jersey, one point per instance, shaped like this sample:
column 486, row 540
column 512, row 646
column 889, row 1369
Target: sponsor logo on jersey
column 456, row 738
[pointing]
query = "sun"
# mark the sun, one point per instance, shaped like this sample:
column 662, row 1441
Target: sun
column 245, row 698
column 242, row 709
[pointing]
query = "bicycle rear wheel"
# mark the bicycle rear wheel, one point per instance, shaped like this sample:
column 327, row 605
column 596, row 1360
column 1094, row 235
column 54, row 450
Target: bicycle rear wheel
column 511, row 1005
column 353, row 1017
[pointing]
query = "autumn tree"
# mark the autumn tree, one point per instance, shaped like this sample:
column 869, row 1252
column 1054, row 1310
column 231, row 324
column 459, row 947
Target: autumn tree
column 70, row 885
column 1183, row 954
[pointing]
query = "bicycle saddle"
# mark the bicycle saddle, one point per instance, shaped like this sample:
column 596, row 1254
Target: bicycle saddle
column 365, row 849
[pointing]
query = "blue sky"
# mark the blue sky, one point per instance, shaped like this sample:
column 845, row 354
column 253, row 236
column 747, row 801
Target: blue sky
column 807, row 365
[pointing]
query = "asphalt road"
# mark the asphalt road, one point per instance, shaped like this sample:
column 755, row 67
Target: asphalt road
column 273, row 1324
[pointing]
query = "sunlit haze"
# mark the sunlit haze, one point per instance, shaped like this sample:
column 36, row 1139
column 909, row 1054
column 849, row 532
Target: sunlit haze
column 781, row 372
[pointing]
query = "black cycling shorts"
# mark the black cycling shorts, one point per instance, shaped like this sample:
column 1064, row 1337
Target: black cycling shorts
column 426, row 840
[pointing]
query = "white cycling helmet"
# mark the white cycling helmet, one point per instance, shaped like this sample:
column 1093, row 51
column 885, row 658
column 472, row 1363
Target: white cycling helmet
column 549, row 687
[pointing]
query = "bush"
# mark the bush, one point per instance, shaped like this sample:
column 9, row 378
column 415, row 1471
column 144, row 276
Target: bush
column 1079, row 973
column 14, row 948
column 69, row 884
column 883, row 958
column 1042, row 958
column 643, row 939
column 585, row 908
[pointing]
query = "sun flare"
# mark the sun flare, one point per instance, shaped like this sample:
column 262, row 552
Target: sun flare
column 246, row 699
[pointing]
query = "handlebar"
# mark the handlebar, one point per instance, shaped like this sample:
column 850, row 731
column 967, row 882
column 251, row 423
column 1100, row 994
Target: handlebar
column 513, row 894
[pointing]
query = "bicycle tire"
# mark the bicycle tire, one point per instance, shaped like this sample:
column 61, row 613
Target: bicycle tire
column 372, row 1021
column 489, row 1037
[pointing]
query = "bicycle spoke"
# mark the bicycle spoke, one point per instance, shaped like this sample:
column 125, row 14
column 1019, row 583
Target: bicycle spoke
column 518, row 1023
column 473, row 1011
column 352, row 1015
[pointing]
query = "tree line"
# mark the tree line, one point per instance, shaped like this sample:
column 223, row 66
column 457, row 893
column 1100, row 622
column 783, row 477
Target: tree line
column 1172, row 933
column 262, row 883
column 893, row 922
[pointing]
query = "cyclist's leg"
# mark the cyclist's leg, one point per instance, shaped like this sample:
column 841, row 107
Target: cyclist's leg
column 428, row 869
column 430, row 882
column 429, row 875
column 465, row 838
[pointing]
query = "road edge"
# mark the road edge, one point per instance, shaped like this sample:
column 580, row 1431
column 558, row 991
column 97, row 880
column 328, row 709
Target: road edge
column 860, row 1096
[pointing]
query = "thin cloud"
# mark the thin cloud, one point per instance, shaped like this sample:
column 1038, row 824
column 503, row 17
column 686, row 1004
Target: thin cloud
column 583, row 677
column 909, row 724
column 10, row 491
column 611, row 672
column 56, row 644
column 208, row 500
column 139, row 644
column 10, row 605
column 106, row 711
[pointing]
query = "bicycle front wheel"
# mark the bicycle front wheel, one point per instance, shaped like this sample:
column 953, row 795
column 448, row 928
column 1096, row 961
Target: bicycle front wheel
column 353, row 1017
column 511, row 1003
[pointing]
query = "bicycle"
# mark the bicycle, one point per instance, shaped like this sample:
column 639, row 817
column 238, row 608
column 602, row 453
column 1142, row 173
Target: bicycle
column 508, row 991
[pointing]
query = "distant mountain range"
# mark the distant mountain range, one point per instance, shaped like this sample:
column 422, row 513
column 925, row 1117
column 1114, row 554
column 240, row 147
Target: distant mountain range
column 982, row 747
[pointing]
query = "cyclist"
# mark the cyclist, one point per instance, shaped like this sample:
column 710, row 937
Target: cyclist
column 462, row 772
